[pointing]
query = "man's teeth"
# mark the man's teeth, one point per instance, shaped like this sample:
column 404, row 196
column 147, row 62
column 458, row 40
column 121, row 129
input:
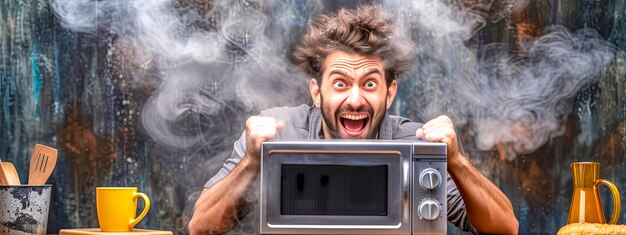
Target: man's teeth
column 354, row 117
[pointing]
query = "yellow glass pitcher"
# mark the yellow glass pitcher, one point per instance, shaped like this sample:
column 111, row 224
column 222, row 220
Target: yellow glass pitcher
column 586, row 205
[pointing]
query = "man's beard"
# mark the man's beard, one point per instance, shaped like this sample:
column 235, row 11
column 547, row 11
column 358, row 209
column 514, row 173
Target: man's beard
column 332, row 121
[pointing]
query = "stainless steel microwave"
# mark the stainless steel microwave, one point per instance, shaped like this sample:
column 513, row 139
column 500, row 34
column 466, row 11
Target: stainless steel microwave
column 353, row 187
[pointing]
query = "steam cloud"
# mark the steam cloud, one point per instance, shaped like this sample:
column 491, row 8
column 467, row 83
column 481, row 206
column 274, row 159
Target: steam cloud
column 203, row 59
column 515, row 103
column 520, row 103
column 235, row 53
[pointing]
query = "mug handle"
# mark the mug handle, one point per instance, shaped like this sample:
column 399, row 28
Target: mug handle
column 616, row 199
column 146, row 207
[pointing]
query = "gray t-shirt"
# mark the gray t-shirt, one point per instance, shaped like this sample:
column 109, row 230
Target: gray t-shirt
column 305, row 122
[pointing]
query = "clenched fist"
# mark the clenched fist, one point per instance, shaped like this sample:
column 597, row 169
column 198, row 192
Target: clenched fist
column 259, row 129
column 440, row 129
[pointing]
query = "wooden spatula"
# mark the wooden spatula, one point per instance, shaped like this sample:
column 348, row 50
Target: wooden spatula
column 42, row 162
column 3, row 177
column 11, row 174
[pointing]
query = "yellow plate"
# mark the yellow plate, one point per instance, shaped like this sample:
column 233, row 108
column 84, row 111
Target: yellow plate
column 96, row 231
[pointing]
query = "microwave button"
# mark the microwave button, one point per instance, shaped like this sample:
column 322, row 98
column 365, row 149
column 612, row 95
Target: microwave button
column 429, row 209
column 430, row 179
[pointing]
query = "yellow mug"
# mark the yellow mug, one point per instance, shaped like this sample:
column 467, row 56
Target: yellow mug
column 117, row 207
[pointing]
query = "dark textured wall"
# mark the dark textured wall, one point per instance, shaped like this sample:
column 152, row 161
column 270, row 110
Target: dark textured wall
column 153, row 93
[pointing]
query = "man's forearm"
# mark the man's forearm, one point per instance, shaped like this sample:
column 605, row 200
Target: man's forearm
column 216, row 208
column 489, row 210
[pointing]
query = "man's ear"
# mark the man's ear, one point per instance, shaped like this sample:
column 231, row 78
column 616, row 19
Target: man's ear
column 314, row 88
column 391, row 93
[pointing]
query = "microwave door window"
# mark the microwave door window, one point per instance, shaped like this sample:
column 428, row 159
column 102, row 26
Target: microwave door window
column 341, row 190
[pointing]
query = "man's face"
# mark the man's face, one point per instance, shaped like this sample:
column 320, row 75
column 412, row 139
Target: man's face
column 353, row 96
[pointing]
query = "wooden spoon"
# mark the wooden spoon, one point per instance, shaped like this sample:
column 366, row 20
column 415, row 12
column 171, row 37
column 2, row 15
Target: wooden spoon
column 42, row 162
column 11, row 174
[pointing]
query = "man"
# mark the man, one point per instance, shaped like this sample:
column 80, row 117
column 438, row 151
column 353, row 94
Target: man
column 353, row 58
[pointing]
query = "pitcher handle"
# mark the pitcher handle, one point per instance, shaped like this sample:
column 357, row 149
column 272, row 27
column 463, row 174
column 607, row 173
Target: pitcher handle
column 146, row 207
column 616, row 199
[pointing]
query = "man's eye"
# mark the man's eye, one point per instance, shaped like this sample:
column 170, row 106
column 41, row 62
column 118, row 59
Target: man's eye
column 370, row 84
column 340, row 84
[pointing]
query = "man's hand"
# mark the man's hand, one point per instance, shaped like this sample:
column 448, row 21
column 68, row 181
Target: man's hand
column 440, row 129
column 259, row 129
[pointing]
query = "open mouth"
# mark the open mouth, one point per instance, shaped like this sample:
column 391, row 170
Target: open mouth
column 354, row 124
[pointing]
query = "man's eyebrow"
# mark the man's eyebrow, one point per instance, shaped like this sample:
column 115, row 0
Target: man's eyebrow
column 337, row 71
column 372, row 71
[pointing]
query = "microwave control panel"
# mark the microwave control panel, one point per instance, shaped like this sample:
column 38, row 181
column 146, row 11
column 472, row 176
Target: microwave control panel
column 429, row 191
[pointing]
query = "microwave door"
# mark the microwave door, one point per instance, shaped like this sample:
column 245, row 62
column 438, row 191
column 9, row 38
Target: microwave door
column 325, row 191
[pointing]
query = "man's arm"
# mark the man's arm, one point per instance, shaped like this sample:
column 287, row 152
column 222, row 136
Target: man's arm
column 488, row 209
column 217, row 208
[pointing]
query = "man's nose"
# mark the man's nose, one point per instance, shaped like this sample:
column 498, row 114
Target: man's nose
column 356, row 98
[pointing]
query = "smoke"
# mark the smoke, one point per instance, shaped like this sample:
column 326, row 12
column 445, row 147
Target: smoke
column 513, row 102
column 523, row 101
column 203, row 60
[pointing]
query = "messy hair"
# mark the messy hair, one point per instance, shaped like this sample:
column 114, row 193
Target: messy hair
column 368, row 31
